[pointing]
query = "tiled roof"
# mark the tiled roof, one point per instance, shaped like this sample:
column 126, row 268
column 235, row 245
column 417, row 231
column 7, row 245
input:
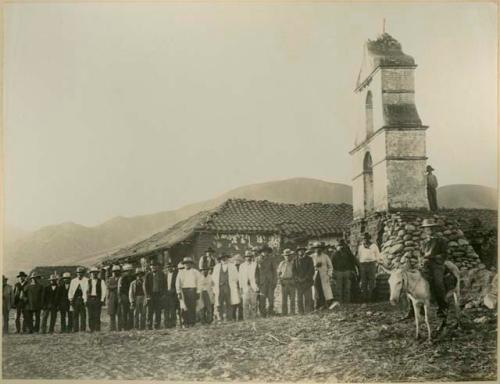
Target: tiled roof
column 251, row 216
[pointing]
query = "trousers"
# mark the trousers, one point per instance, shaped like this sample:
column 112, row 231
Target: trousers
column 367, row 272
column 207, row 311
column 343, row 282
column 434, row 273
column 21, row 312
column 140, row 312
column 249, row 304
column 127, row 314
column 79, row 315
column 5, row 318
column 171, row 305
column 432, row 198
column 52, row 313
column 225, row 302
column 154, row 309
column 287, row 294
column 34, row 326
column 94, row 313
column 66, row 326
column 190, row 297
column 304, row 298
column 266, row 293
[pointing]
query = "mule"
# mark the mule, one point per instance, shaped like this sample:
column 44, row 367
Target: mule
column 417, row 289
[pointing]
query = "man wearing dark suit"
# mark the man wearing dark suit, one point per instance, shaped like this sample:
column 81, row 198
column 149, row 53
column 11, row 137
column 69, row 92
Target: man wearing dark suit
column 50, row 304
column 63, row 303
column 34, row 292
column 266, row 276
column 21, row 301
column 155, row 285
column 304, row 272
column 171, row 302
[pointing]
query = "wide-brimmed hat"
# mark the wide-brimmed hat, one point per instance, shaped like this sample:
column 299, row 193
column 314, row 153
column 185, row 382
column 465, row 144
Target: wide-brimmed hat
column 139, row 271
column 342, row 242
column 94, row 269
column 116, row 268
column 209, row 249
column 53, row 277
column 429, row 223
column 22, row 274
column 128, row 267
column 34, row 275
column 367, row 236
column 237, row 259
column 80, row 270
column 316, row 245
column 187, row 259
column 265, row 248
column 429, row 168
column 249, row 253
column 300, row 248
column 66, row 275
column 287, row 252
column 224, row 256
column 154, row 263
column 204, row 269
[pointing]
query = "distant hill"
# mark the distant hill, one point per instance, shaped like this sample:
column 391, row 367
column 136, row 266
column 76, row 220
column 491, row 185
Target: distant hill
column 71, row 243
column 467, row 196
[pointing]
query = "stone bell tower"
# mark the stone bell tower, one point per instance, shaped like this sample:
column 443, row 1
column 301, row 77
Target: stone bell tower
column 389, row 155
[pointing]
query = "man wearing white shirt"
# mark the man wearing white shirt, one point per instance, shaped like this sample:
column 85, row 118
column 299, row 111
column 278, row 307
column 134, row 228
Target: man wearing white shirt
column 95, row 297
column 248, row 286
column 77, row 288
column 368, row 255
column 188, row 289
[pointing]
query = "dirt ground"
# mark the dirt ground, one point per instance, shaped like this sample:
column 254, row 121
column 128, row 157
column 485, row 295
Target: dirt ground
column 353, row 343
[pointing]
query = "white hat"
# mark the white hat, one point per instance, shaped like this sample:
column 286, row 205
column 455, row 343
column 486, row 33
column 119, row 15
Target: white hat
column 128, row 267
column 115, row 268
column 94, row 269
column 66, row 275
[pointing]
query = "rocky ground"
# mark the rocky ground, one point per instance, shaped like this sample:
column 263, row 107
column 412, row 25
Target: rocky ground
column 354, row 343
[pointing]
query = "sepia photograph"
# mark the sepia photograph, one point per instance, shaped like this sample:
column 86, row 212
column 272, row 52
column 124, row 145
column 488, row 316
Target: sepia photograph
column 249, row 191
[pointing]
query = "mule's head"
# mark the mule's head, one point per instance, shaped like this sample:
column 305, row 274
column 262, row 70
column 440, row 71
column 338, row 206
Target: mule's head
column 396, row 283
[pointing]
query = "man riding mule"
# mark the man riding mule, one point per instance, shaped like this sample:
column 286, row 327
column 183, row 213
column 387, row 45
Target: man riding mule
column 431, row 280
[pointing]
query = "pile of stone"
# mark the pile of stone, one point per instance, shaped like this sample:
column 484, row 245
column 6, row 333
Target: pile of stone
column 479, row 287
column 403, row 236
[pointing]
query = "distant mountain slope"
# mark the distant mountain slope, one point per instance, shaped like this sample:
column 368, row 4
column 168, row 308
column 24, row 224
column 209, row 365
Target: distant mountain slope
column 70, row 243
column 467, row 196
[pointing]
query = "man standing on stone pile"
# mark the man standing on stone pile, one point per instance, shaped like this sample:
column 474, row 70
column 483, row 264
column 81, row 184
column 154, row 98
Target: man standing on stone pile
column 368, row 255
column 344, row 265
column 432, row 185
column 304, row 269
column 112, row 299
column 266, row 278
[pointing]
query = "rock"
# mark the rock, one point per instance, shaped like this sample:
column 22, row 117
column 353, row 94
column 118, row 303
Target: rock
column 481, row 320
column 396, row 248
column 409, row 243
column 490, row 301
column 463, row 242
column 460, row 233
column 416, row 253
column 407, row 237
column 447, row 232
column 410, row 227
column 401, row 233
column 452, row 244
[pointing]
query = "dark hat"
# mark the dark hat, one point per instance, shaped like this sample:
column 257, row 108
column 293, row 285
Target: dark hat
column 209, row 249
column 429, row 168
column 204, row 269
column 139, row 271
column 154, row 263
column 265, row 248
column 22, row 274
column 342, row 242
column 224, row 256
column 367, row 236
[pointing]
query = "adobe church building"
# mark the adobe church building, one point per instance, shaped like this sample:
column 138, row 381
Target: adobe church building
column 389, row 161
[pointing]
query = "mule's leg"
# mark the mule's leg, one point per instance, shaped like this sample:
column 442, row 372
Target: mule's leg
column 417, row 317
column 457, row 308
column 426, row 311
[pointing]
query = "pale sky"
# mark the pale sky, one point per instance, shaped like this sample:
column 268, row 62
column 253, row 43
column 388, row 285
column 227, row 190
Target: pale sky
column 125, row 109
